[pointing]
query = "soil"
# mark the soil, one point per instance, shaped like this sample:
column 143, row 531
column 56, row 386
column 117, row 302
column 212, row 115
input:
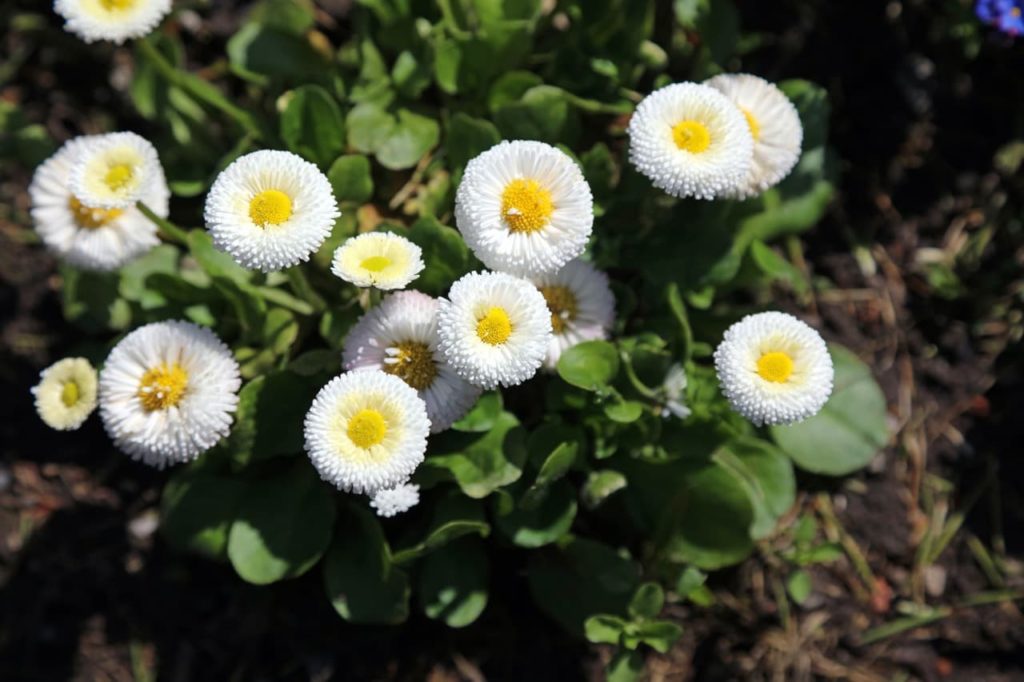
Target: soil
column 89, row 592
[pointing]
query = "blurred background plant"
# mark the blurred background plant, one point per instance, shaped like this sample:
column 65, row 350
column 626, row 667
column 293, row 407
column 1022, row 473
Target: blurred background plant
column 620, row 523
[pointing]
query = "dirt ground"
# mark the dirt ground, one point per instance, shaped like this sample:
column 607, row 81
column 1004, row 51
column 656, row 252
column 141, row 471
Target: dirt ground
column 923, row 250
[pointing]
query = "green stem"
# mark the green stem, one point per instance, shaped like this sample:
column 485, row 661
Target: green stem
column 197, row 87
column 166, row 228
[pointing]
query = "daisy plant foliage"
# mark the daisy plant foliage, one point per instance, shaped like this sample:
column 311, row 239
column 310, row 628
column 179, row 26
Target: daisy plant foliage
column 437, row 280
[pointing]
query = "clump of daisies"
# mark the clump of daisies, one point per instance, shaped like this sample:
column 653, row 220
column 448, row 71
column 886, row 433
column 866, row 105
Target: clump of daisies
column 366, row 432
column 495, row 329
column 774, row 124
column 399, row 337
column 270, row 210
column 83, row 200
column 524, row 208
column 168, row 392
column 581, row 304
column 382, row 260
column 691, row 141
column 66, row 393
column 113, row 20
column 774, row 369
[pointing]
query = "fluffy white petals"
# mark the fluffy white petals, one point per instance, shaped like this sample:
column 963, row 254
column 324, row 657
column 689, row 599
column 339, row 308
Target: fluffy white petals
column 378, row 259
column 582, row 306
column 93, row 20
column 66, row 393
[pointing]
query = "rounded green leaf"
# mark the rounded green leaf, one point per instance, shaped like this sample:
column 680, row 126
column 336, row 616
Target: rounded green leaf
column 412, row 137
column 544, row 524
column 766, row 474
column 589, row 365
column 197, row 509
column 351, row 179
column 283, row 526
column 452, row 583
column 312, row 125
column 850, row 429
column 647, row 601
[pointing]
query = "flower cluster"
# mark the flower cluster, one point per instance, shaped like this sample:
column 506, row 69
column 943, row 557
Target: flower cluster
column 414, row 364
column 732, row 137
column 1006, row 15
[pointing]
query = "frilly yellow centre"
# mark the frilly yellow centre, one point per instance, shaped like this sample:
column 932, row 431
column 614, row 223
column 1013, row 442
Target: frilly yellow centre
column 118, row 176
column 775, row 367
column 526, row 206
column 162, row 387
column 375, row 263
column 69, row 394
column 413, row 364
column 92, row 218
column 494, row 328
column 691, row 136
column 270, row 207
column 367, row 428
column 562, row 304
column 753, row 123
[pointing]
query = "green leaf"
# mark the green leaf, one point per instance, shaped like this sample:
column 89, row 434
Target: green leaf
column 454, row 517
column 283, row 526
column 647, row 601
column 689, row 581
column 581, row 578
column 452, row 584
column 627, row 666
column 351, row 179
column 544, row 524
column 368, row 125
column 483, row 415
column 624, row 411
column 312, row 125
column 413, row 136
column 590, row 365
column 799, row 586
column 197, row 509
column 481, row 464
column 603, row 629
column 409, row 75
column 850, row 429
column 660, row 635
column 135, row 275
column 361, row 582
column 766, row 474
column 467, row 137
column 510, row 88
column 269, row 418
column 543, row 113
column 601, row 484
column 445, row 253
column 257, row 50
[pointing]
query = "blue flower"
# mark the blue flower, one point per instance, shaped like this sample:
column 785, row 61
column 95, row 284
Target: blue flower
column 1006, row 15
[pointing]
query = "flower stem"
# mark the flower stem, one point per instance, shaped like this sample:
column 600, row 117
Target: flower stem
column 198, row 88
column 167, row 229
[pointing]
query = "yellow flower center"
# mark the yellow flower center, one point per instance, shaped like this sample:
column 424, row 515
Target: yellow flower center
column 367, row 428
column 562, row 304
column 526, row 206
column 691, row 136
column 270, row 207
column 117, row 5
column 91, row 218
column 755, row 126
column 494, row 328
column 375, row 263
column 69, row 394
column 775, row 367
column 413, row 364
column 118, row 176
column 162, row 387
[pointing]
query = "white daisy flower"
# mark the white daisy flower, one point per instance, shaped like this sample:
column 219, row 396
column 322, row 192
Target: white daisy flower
column 774, row 124
column 495, row 329
column 270, row 210
column 114, row 20
column 399, row 337
column 774, row 369
column 691, row 141
column 91, row 238
column 66, row 393
column 366, row 431
column 581, row 303
column 168, row 391
column 378, row 259
column 392, row 501
column 524, row 208
column 115, row 170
